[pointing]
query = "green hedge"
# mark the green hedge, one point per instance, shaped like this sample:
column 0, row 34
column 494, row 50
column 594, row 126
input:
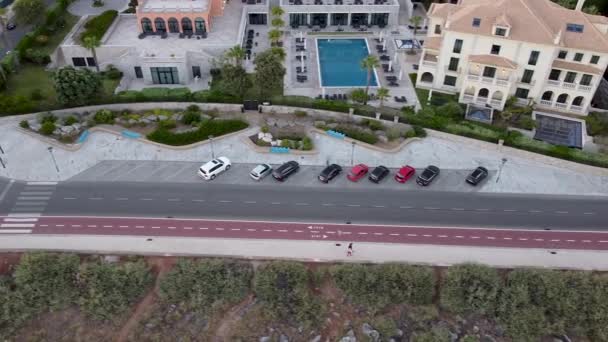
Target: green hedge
column 357, row 134
column 97, row 26
column 210, row 127
column 562, row 152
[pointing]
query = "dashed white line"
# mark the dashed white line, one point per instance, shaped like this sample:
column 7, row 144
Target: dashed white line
column 145, row 199
column 251, row 230
column 431, row 208
column 275, row 203
column 140, row 227
column 406, row 207
column 412, row 234
column 17, row 225
column 442, row 236
column 427, row 235
column 474, row 237
column 346, row 233
column 76, row 226
column 378, row 206
column 250, row 202
column 267, row 230
column 155, row 227
column 459, row 209
column 353, row 205
column 603, row 241
column 198, row 200
column 507, row 238
column 298, row 231
column 46, row 225
column 459, row 237
column 394, row 234
column 219, row 228
column 173, row 199
column 59, row 225
column 482, row 209
column 235, row 229
column 588, row 213
column 362, row 233
column 171, row 227
column 225, row 201
column 203, row 228
column 571, row 240
column 509, row 210
column 586, row 241
column 282, row 230
column 539, row 240
column 523, row 239
column 70, row 198
column 555, row 240
column 535, row 211
column 301, row 203
column 108, row 226
column 95, row 198
column 327, row 204
column 128, row 227
column 121, row 199
column 561, row 212
column 188, row 228
column 378, row 233
column 490, row 238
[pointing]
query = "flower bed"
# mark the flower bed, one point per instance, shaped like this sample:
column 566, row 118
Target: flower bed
column 211, row 127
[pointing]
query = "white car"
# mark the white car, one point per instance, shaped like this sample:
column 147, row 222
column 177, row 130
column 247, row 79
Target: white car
column 260, row 171
column 214, row 167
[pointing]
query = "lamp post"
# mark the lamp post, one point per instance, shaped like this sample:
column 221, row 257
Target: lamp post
column 50, row 149
column 212, row 151
column 352, row 153
column 504, row 160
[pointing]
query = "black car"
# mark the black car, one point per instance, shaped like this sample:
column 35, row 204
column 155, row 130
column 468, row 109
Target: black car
column 428, row 175
column 282, row 172
column 330, row 173
column 11, row 26
column 378, row 174
column 479, row 174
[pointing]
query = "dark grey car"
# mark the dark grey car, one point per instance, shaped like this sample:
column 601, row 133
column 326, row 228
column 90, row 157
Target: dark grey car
column 478, row 175
column 282, row 172
column 379, row 173
column 329, row 173
column 428, row 175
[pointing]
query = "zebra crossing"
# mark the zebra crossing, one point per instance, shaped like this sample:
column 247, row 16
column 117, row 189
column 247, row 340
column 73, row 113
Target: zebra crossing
column 28, row 207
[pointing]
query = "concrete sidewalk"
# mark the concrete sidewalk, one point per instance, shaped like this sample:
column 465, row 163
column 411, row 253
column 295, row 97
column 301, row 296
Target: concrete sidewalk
column 325, row 251
column 28, row 158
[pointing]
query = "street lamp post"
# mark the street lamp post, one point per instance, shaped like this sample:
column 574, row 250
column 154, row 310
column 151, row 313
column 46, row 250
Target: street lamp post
column 504, row 160
column 352, row 154
column 50, row 149
column 212, row 151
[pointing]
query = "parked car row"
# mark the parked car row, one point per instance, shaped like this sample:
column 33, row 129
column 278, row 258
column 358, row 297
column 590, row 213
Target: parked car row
column 211, row 169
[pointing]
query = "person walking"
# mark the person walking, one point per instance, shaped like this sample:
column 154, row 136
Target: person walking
column 349, row 251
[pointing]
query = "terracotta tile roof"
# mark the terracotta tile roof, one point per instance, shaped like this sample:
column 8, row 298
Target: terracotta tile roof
column 559, row 64
column 432, row 43
column 498, row 61
column 534, row 21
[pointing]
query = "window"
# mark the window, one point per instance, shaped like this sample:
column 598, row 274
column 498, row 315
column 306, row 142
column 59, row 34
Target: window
column 575, row 28
column 91, row 61
column 457, row 46
column 450, row 81
column 453, row 64
column 533, row 57
column 500, row 32
column 489, row 72
column 586, row 80
column 562, row 54
column 554, row 75
column 495, row 49
column 476, row 22
column 578, row 57
column 527, row 76
column 570, row 77
column 437, row 29
column 138, row 73
column 196, row 71
column 164, row 75
column 594, row 59
column 521, row 93
column 79, row 62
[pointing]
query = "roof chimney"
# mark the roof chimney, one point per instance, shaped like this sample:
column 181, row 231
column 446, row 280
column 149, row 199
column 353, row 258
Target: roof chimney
column 579, row 5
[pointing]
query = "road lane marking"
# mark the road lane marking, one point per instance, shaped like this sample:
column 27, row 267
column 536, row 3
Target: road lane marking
column 459, row 209
column 29, row 209
column 442, row 236
column 490, row 238
column 198, row 200
column 41, row 183
column 561, row 212
column 509, row 210
column 588, row 213
column 171, row 227
column 267, row 230
column 353, row 205
column 406, row 207
column 173, row 199
column 188, row 228
column 427, row 235
column 44, row 225
column 571, row 240
column 378, row 233
column 59, row 225
column 108, row 226
column 95, row 198
column 17, row 225
column 251, row 230
column 474, row 237
column 92, row 226
column 586, row 241
column 507, row 238
column 156, row 227
column 251, row 202
column 24, row 215
column 327, row 204
column 145, row 199
column 331, row 232
column 30, row 204
column 523, row 239
column 36, row 193
column 298, row 231
column 128, row 227
column 76, row 226
column 394, row 234
column 235, row 229
column 482, row 209
column 378, row 206
column 20, row 220
column 535, row 211
column 140, row 227
column 15, row 231
column 70, row 198
column 412, row 234
column 225, row 201
column 603, row 241
column 346, row 233
column 121, row 199
column 282, row 230
column 539, row 240
column 218, row 228
column 362, row 233
column 431, row 208
column 275, row 203
column 459, row 237
column 555, row 240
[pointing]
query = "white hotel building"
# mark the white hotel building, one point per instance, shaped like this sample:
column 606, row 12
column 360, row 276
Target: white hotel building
column 488, row 50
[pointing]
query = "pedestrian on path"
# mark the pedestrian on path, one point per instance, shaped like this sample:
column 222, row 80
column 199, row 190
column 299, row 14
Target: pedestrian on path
column 349, row 251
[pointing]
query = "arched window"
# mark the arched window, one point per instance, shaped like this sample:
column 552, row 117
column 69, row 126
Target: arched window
column 173, row 25
column 547, row 96
column 578, row 101
column 497, row 95
column 427, row 77
column 562, row 98
column 146, row 25
column 199, row 26
column 159, row 25
column 186, row 25
column 483, row 92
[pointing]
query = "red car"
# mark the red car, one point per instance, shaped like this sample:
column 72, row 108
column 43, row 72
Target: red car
column 404, row 174
column 357, row 172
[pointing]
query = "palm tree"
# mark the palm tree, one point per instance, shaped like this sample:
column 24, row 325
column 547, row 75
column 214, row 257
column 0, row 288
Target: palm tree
column 370, row 62
column 277, row 22
column 274, row 35
column 415, row 20
column 276, row 11
column 236, row 54
column 383, row 93
column 92, row 42
column 279, row 52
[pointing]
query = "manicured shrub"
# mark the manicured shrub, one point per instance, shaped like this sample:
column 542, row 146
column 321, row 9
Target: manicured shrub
column 470, row 289
column 47, row 117
column 193, row 108
column 597, row 123
column 113, row 73
column 24, row 124
column 420, row 131
column 374, row 125
column 47, row 128
column 70, row 120
column 190, row 117
column 104, row 116
column 307, row 144
column 336, row 106
column 130, row 96
column 357, row 134
column 167, row 124
column 211, row 127
column 98, row 25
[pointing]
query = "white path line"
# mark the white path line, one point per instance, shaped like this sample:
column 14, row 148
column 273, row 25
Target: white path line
column 427, row 235
column 251, row 202
column 346, row 233
column 412, row 234
column 603, row 241
column 201, row 228
column 523, row 239
column 20, row 220
column 535, row 211
column 155, row 227
column 507, row 238
column 431, row 208
column 44, row 225
column 275, row 203
column 75, row 226
column 225, row 201
column 121, row 199
column 15, row 231
column 586, row 241
column 378, row 206
column 33, row 198
column 571, row 240
column 24, row 215
column 406, row 207
column 353, row 205
column 267, row 230
column 41, row 183
column 188, row 228
column 171, row 227
column 490, row 238
column 298, row 231
column 251, row 230
column 394, row 234
column 282, row 230
column 459, row 237
column 145, row 199
column 17, row 225
column 128, row 227
column 95, row 198
column 108, row 226
column 301, row 203
column 474, row 237
column 140, row 226
column 92, row 226
column 555, row 240
column 589, row 213
column 198, row 200
column 59, row 225
column 378, row 233
column 458, row 209
column 235, row 229
column 362, row 233
column 482, row 209
column 173, row 199
column 36, row 193
column 327, row 204
column 70, row 198
column 561, row 212
column 442, row 236
column 539, row 240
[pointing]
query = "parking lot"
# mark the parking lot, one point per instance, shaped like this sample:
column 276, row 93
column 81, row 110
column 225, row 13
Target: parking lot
column 186, row 172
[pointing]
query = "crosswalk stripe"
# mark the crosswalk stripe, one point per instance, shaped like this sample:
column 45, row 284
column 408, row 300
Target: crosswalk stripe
column 20, row 220
column 41, row 183
column 30, row 214
column 36, row 193
column 33, row 198
column 15, row 231
column 22, row 203
column 17, row 225
column 28, row 210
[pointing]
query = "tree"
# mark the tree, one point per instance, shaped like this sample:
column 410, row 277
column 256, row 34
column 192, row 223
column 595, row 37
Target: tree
column 358, row 95
column 91, row 43
column 383, row 94
column 235, row 80
column 76, row 87
column 415, row 21
column 274, row 35
column 28, row 11
column 269, row 73
column 279, row 52
column 236, row 54
column 276, row 11
column 277, row 22
column 370, row 62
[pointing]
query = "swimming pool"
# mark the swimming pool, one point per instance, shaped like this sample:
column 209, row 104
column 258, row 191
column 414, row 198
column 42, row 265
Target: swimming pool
column 340, row 63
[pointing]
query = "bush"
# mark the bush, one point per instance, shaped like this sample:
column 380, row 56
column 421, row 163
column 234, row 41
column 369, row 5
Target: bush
column 167, row 124
column 374, row 125
column 36, row 95
column 336, row 106
column 70, row 120
column 211, row 127
column 470, row 289
column 24, row 124
column 47, row 117
column 597, row 123
column 525, row 143
column 451, row 109
column 113, row 73
column 104, row 116
column 420, row 131
column 307, row 144
column 357, row 134
column 394, row 132
column 204, row 284
column 193, row 109
column 300, row 113
column 190, row 117
column 98, row 25
column 15, row 104
column 37, row 56
column 47, row 128
column 468, row 129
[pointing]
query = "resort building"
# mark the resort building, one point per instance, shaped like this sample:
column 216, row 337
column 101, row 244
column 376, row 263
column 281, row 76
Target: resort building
column 488, row 50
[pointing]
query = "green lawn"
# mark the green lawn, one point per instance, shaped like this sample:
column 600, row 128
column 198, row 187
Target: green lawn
column 437, row 98
column 59, row 35
column 422, row 94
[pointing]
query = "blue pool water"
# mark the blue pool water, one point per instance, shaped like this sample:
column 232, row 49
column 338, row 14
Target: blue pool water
column 340, row 63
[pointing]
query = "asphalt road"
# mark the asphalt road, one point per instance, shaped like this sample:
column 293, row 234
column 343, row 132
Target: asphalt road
column 273, row 201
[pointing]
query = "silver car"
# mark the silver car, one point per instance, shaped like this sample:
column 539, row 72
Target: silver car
column 260, row 171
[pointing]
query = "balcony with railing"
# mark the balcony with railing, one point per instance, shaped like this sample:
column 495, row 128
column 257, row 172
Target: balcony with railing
column 496, row 103
column 569, row 85
column 501, row 82
column 526, row 82
column 429, row 60
column 468, row 98
column 481, row 100
column 585, row 87
column 577, row 109
column 560, row 106
column 451, row 71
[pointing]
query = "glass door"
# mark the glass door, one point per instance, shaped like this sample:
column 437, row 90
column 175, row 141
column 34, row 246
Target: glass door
column 164, row 75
